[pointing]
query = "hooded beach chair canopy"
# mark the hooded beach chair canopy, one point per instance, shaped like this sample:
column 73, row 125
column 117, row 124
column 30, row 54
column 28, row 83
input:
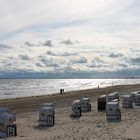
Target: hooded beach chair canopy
column 3, row 110
column 7, row 118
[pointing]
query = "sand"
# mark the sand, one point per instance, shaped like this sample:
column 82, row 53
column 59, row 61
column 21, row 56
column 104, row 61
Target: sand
column 90, row 126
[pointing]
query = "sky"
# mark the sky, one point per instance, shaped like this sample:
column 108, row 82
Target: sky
column 69, row 38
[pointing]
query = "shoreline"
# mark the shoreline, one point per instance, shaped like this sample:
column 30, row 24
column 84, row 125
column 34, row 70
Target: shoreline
column 14, row 88
column 26, row 104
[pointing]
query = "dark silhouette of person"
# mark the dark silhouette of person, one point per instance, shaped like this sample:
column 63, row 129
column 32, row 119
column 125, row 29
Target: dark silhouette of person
column 61, row 91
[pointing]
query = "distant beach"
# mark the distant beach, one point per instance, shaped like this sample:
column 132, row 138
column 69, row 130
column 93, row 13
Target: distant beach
column 92, row 125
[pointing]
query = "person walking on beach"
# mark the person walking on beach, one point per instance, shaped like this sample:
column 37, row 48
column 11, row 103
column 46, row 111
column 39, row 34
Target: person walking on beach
column 61, row 91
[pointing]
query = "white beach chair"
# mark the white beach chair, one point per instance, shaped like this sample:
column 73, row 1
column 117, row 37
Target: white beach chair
column 112, row 111
column 133, row 95
column 76, row 108
column 137, row 99
column 7, row 126
column 46, row 116
column 85, row 104
column 127, row 101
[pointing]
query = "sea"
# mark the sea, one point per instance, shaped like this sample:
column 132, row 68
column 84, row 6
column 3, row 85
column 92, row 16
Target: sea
column 15, row 88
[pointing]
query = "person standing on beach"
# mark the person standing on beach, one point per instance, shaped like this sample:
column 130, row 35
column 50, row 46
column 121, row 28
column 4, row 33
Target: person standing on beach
column 61, row 91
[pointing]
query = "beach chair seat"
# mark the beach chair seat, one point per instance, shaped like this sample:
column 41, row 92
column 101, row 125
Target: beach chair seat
column 76, row 112
column 49, row 121
column 86, row 108
column 113, row 117
column 102, row 102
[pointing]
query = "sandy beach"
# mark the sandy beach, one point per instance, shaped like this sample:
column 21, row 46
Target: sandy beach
column 90, row 126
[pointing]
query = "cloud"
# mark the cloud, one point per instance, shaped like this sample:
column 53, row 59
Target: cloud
column 124, row 65
column 115, row 55
column 61, row 63
column 68, row 42
column 35, row 15
column 135, row 60
column 61, row 53
column 79, row 60
column 4, row 50
column 97, row 63
column 29, row 44
column 48, row 43
column 3, row 46
column 108, row 32
column 24, row 57
column 44, row 61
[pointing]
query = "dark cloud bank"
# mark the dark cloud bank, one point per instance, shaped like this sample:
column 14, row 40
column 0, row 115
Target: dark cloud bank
column 71, row 75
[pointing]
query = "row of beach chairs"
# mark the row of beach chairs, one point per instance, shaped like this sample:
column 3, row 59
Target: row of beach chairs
column 47, row 112
column 82, row 105
column 109, row 103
